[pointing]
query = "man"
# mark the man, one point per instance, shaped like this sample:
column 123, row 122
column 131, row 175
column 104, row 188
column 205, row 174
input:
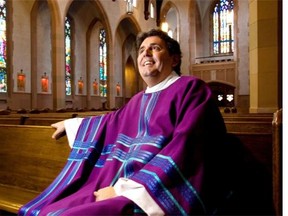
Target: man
column 160, row 154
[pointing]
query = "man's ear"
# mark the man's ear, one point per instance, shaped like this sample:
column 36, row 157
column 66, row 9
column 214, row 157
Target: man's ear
column 176, row 60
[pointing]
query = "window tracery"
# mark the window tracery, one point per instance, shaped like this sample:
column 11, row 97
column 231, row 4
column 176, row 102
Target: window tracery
column 103, row 63
column 223, row 22
column 68, row 42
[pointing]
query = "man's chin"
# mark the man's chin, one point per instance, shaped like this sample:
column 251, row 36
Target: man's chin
column 151, row 74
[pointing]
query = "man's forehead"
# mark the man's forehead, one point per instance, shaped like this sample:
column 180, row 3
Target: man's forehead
column 152, row 40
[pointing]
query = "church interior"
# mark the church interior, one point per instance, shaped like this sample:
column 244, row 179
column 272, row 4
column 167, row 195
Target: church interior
column 51, row 51
column 65, row 58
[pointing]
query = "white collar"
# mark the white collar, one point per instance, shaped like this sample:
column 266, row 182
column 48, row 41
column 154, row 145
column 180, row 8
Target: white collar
column 164, row 84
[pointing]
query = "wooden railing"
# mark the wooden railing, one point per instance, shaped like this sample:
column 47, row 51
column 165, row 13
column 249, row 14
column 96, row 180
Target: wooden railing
column 217, row 71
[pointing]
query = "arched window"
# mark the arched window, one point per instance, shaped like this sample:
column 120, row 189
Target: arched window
column 223, row 21
column 3, row 47
column 68, row 42
column 152, row 10
column 103, row 63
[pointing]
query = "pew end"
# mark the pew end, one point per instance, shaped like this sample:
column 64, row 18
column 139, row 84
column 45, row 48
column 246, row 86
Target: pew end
column 30, row 161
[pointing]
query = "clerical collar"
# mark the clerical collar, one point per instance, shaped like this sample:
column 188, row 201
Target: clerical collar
column 164, row 84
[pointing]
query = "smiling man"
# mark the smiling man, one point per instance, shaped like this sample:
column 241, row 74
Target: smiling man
column 155, row 63
column 157, row 155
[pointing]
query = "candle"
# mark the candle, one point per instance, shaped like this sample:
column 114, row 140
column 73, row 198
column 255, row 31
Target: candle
column 118, row 88
column 21, row 81
column 44, row 83
column 80, row 86
column 95, row 87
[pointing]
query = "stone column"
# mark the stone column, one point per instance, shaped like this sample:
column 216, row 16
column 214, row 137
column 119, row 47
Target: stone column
column 264, row 55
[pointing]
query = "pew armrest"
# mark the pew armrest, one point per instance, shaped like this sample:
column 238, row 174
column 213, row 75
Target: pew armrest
column 12, row 198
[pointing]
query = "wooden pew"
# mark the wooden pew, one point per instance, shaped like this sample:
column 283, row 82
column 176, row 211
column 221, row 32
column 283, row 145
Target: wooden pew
column 43, row 119
column 20, row 182
column 277, row 161
column 30, row 160
column 259, row 145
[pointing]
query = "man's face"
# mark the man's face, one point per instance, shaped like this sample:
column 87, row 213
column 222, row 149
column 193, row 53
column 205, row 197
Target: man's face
column 154, row 61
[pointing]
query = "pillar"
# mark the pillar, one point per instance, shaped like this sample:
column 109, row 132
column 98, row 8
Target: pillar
column 264, row 28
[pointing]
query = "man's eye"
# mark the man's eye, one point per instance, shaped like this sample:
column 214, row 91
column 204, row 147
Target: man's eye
column 156, row 47
column 140, row 51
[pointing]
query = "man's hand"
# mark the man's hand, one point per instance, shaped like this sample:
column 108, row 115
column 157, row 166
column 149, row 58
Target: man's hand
column 104, row 193
column 60, row 130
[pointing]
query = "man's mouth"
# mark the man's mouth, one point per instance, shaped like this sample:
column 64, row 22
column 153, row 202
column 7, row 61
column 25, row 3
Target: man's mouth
column 148, row 63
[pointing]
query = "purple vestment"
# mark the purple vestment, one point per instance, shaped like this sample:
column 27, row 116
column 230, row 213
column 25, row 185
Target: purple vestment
column 169, row 141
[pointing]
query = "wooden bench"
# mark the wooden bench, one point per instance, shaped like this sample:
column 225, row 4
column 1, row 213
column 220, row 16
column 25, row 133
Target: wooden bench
column 30, row 160
column 43, row 119
column 277, row 161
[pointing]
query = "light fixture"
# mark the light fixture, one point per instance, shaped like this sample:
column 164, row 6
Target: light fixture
column 164, row 26
column 146, row 9
column 129, row 7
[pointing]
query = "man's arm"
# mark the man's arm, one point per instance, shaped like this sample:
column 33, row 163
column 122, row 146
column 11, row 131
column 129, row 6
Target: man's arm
column 60, row 130
column 67, row 127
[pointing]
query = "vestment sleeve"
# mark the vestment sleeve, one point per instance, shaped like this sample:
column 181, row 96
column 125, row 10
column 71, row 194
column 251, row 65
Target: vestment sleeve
column 139, row 195
column 71, row 128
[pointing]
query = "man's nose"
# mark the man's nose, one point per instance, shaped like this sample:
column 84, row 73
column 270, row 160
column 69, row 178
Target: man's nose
column 148, row 51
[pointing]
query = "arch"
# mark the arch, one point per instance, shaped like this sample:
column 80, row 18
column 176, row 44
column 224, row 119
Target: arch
column 87, row 15
column 100, row 14
column 17, row 41
column 168, row 13
column 42, row 54
column 125, row 37
column 131, row 78
column 128, row 24
column 57, row 60
column 93, row 32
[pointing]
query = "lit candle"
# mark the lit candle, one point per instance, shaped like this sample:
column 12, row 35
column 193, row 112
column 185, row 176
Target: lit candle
column 118, row 88
column 21, row 81
column 80, row 86
column 95, row 87
column 44, row 83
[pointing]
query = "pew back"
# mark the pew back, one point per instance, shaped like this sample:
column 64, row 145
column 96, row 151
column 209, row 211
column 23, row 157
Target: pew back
column 30, row 160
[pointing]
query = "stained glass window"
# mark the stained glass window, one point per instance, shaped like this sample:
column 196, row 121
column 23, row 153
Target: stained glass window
column 3, row 47
column 68, row 55
column 103, row 63
column 223, row 36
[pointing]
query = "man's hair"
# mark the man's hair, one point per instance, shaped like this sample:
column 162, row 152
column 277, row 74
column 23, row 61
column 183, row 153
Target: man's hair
column 172, row 45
